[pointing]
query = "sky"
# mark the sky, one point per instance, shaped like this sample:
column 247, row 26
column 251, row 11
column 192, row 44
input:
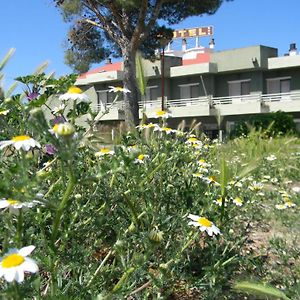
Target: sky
column 36, row 30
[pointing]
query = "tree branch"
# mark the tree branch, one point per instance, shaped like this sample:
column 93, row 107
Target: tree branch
column 117, row 17
column 153, row 19
column 140, row 23
column 106, row 25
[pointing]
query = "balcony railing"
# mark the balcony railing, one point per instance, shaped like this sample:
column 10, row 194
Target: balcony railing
column 212, row 101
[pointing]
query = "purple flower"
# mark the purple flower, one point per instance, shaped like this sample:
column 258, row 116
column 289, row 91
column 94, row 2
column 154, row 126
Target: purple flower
column 57, row 120
column 50, row 149
column 32, row 96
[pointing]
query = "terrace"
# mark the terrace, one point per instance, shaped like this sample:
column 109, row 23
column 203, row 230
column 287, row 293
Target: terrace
column 205, row 106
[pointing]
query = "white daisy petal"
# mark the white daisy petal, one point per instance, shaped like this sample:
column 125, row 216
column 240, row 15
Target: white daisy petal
column 26, row 250
column 4, row 203
column 10, row 274
column 193, row 217
column 19, row 277
column 30, row 265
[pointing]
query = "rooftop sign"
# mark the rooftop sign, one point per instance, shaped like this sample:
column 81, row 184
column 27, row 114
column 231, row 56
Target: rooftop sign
column 193, row 32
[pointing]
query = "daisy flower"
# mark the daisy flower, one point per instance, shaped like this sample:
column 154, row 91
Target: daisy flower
column 104, row 151
column 238, row 201
column 162, row 114
column 212, row 180
column 21, row 141
column 132, row 148
column 167, row 130
column 150, row 125
column 192, row 141
column 118, row 89
column 15, row 205
column 203, row 164
column 58, row 109
column 219, row 202
column 4, row 112
column 141, row 159
column 271, row 157
column 296, row 189
column 74, row 93
column 280, row 206
column 289, row 204
column 15, row 263
column 203, row 224
column 197, row 175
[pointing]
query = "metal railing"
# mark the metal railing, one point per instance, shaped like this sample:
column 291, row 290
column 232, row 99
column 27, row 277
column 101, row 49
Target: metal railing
column 208, row 100
column 292, row 96
column 236, row 99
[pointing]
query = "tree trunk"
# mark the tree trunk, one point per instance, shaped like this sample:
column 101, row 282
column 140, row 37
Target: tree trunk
column 131, row 99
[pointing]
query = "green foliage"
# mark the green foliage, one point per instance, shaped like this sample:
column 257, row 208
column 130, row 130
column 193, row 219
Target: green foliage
column 91, row 38
column 140, row 74
column 115, row 223
column 273, row 124
column 259, row 289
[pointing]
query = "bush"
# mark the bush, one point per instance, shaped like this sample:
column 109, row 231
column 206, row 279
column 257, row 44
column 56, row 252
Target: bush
column 273, row 124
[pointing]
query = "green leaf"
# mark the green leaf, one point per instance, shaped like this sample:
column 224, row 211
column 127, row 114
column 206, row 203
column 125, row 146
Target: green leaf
column 140, row 74
column 259, row 289
column 223, row 176
column 6, row 58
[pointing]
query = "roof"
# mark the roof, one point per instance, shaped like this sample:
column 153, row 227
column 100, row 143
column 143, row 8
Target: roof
column 117, row 66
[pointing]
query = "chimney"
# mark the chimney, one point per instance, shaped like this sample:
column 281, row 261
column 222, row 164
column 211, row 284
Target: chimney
column 293, row 49
column 212, row 44
column 108, row 61
column 184, row 45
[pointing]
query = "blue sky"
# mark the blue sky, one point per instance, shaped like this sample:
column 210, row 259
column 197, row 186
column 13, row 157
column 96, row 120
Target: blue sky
column 37, row 31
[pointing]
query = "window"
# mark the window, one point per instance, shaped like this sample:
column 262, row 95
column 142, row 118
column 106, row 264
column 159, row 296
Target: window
column 104, row 98
column 151, row 93
column 189, row 91
column 278, row 85
column 239, row 87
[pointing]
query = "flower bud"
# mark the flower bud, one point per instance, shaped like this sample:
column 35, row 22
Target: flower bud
column 36, row 112
column 156, row 235
column 8, row 100
column 131, row 227
column 41, row 174
column 63, row 129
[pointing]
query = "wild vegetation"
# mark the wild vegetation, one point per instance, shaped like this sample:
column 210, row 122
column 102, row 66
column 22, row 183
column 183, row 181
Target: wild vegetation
column 160, row 214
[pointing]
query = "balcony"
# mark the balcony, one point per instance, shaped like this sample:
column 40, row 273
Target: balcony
column 209, row 106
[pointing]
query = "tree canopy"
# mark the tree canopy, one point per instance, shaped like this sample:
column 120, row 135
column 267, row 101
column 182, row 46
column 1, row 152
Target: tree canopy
column 102, row 28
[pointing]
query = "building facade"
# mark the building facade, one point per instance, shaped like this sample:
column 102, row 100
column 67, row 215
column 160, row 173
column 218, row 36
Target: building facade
column 201, row 84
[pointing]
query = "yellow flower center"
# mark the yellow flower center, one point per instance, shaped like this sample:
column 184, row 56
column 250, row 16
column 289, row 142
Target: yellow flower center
column 119, row 89
column 238, row 200
column 21, row 138
column 160, row 113
column 74, row 90
column 55, row 127
column 141, row 157
column 104, row 150
column 201, row 161
column 166, row 129
column 212, row 178
column 193, row 140
column 12, row 260
column 204, row 222
column 12, row 201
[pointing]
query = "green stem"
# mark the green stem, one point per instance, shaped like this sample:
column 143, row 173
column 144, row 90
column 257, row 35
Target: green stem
column 99, row 268
column 20, row 228
column 131, row 206
column 64, row 201
column 122, row 280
